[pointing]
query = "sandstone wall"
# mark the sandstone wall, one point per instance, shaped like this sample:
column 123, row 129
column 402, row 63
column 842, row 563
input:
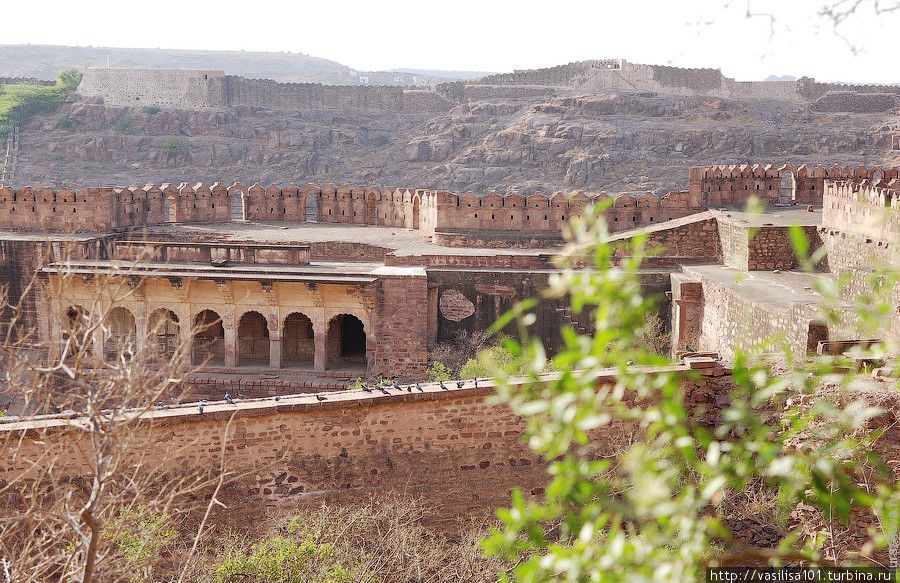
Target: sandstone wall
column 734, row 185
column 168, row 88
column 864, row 206
column 457, row 448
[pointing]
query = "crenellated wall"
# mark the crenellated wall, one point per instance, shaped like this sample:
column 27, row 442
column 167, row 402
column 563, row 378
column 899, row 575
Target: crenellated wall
column 734, row 185
column 863, row 208
column 106, row 209
column 432, row 211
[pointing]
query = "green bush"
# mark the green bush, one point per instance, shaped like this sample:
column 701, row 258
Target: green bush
column 438, row 371
column 69, row 79
column 64, row 121
column 151, row 110
column 139, row 535
column 123, row 124
column 285, row 559
column 173, row 146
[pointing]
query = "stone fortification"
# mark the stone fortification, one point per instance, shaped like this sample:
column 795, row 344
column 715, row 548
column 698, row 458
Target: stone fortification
column 104, row 209
column 212, row 89
column 734, row 185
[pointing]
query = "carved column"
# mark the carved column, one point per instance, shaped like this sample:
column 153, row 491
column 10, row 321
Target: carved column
column 228, row 325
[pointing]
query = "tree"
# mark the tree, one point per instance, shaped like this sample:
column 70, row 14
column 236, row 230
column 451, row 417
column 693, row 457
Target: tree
column 660, row 509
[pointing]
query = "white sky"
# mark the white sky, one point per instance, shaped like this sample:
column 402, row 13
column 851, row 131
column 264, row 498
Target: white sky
column 492, row 35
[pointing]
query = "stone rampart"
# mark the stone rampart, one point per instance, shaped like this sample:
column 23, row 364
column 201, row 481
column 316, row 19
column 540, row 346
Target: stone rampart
column 456, row 447
column 107, row 209
column 734, row 185
column 212, row 89
column 869, row 207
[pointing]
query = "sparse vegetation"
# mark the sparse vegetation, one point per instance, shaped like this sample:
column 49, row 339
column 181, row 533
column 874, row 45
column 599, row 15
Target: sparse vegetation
column 173, row 146
column 151, row 110
column 64, row 121
column 438, row 371
column 19, row 102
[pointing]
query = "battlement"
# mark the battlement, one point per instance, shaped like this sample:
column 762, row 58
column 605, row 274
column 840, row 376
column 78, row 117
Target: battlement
column 864, row 207
column 117, row 208
column 733, row 185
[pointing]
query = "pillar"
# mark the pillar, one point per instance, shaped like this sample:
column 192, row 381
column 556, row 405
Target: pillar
column 274, row 340
column 230, row 328
column 319, row 343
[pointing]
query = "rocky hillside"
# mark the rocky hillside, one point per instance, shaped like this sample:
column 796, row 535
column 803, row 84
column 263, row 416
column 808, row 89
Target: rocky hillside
column 541, row 142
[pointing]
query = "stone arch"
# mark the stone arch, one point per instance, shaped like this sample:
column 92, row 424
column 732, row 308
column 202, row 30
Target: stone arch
column 415, row 212
column 164, row 331
column 121, row 334
column 345, row 344
column 298, row 341
column 237, row 205
column 208, row 346
column 787, row 191
column 253, row 340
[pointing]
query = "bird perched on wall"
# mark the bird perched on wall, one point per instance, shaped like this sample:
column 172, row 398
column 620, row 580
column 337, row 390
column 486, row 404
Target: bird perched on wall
column 320, row 397
column 419, row 388
column 459, row 384
column 366, row 387
column 201, row 408
column 476, row 382
column 384, row 390
column 277, row 398
column 443, row 386
column 395, row 385
column 228, row 399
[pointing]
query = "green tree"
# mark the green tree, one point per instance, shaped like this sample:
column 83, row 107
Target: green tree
column 69, row 79
column 660, row 511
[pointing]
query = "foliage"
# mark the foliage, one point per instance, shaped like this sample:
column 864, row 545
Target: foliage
column 64, row 121
column 140, row 534
column 21, row 101
column 660, row 512
column 438, row 371
column 298, row 557
column 69, row 79
column 497, row 359
column 173, row 146
column 152, row 110
column 653, row 335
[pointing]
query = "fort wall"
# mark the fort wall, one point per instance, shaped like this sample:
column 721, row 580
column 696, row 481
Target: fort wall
column 734, row 185
column 212, row 89
column 171, row 88
column 457, row 448
column 866, row 206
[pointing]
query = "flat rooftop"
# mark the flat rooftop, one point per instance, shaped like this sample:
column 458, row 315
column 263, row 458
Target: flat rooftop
column 773, row 216
column 400, row 241
column 775, row 289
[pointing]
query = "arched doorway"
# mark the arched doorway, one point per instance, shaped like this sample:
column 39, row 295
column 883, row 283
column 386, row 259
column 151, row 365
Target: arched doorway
column 788, row 190
column 164, row 332
column 253, row 340
column 237, row 204
column 312, row 208
column 208, row 346
column 170, row 208
column 415, row 212
column 346, row 343
column 298, row 341
column 76, row 339
column 122, row 332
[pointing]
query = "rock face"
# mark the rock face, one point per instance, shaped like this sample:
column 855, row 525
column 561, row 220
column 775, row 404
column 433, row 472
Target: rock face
column 547, row 142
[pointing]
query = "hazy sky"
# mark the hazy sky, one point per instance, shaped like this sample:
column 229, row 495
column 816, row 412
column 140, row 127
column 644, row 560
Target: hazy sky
column 489, row 34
